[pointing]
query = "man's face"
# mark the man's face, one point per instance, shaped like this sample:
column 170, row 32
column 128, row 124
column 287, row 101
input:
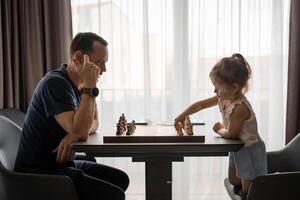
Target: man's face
column 99, row 56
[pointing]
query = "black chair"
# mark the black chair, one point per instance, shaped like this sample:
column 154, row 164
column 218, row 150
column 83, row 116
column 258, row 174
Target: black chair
column 283, row 178
column 14, row 115
column 18, row 117
column 19, row 186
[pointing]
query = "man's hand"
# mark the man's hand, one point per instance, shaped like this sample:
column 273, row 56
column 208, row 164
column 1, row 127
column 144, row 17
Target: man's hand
column 88, row 72
column 64, row 150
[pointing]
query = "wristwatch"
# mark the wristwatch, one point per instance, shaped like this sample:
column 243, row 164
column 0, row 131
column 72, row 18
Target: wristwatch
column 93, row 92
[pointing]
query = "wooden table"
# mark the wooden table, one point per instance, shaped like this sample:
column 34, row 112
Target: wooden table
column 158, row 157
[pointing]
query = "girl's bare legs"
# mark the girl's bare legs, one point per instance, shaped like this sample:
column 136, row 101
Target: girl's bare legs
column 237, row 182
column 233, row 179
column 246, row 185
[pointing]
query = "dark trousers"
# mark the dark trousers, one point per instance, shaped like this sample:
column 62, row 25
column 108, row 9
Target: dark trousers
column 96, row 181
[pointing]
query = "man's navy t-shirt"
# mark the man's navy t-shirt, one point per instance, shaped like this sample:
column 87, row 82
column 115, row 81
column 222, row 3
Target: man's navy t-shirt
column 54, row 94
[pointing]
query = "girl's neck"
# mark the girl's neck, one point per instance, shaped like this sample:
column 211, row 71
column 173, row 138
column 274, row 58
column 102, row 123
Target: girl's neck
column 239, row 95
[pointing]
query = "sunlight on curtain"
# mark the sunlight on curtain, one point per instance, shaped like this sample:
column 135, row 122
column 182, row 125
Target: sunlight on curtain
column 160, row 56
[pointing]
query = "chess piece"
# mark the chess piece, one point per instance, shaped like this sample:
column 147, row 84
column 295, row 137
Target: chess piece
column 123, row 122
column 121, row 125
column 188, row 127
column 119, row 129
column 131, row 128
column 122, row 117
column 178, row 127
column 133, row 125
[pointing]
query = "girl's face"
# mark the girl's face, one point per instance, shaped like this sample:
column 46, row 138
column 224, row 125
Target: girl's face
column 223, row 90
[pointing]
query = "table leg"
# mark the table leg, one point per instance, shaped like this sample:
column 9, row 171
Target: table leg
column 158, row 177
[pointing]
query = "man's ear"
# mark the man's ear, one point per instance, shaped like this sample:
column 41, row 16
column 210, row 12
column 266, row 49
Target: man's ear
column 78, row 57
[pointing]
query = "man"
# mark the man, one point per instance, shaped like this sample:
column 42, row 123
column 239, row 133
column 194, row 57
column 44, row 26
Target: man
column 62, row 111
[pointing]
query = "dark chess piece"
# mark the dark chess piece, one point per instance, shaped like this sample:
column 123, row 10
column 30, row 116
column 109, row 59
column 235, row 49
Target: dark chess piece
column 120, row 130
column 123, row 122
column 133, row 125
column 130, row 128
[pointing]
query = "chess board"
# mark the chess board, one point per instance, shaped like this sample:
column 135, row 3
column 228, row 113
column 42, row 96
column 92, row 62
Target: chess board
column 154, row 139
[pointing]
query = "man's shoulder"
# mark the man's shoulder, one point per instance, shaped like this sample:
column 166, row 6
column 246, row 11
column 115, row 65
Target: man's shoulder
column 58, row 74
column 55, row 77
column 54, row 81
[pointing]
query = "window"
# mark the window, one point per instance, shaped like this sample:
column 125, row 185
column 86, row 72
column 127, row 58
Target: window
column 161, row 53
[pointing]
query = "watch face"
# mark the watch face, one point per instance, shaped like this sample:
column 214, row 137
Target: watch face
column 95, row 92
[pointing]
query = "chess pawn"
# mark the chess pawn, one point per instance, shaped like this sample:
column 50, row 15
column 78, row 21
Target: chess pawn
column 124, row 125
column 133, row 126
column 178, row 128
column 119, row 129
column 129, row 129
column 188, row 127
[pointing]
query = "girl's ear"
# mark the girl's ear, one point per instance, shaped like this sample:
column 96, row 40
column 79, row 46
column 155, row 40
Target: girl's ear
column 237, row 88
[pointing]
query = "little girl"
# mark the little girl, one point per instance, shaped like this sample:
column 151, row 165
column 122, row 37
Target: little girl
column 230, row 77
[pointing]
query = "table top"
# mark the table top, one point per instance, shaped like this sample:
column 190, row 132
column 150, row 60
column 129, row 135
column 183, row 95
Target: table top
column 214, row 145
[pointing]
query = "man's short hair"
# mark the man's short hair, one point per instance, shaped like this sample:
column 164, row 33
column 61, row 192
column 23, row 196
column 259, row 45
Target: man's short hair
column 84, row 42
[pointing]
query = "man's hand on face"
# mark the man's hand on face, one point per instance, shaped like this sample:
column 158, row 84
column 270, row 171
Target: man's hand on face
column 88, row 72
column 64, row 149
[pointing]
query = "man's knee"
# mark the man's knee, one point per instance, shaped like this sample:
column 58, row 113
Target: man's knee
column 119, row 195
column 124, row 180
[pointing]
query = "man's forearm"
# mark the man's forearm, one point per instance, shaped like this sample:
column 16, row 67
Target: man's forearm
column 95, row 123
column 84, row 117
column 94, row 127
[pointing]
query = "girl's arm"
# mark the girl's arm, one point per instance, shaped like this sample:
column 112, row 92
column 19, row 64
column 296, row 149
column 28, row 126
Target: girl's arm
column 240, row 113
column 197, row 106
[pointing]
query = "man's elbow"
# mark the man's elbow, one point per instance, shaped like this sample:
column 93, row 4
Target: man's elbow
column 83, row 138
column 81, row 135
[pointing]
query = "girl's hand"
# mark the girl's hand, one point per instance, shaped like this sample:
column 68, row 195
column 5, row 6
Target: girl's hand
column 217, row 127
column 180, row 119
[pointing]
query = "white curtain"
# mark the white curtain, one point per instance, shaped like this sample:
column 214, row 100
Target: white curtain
column 160, row 56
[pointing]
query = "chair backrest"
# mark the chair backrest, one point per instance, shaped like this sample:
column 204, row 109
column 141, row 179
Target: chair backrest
column 10, row 135
column 14, row 115
column 293, row 153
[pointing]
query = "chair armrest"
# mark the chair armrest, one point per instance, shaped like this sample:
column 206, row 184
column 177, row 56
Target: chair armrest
column 37, row 186
column 278, row 186
column 277, row 161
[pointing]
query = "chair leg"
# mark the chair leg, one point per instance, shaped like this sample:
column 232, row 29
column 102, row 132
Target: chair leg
column 230, row 190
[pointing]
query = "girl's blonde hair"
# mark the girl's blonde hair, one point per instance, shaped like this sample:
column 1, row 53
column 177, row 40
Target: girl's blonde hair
column 230, row 70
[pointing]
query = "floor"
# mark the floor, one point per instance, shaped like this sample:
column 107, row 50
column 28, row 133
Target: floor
column 195, row 179
column 191, row 197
